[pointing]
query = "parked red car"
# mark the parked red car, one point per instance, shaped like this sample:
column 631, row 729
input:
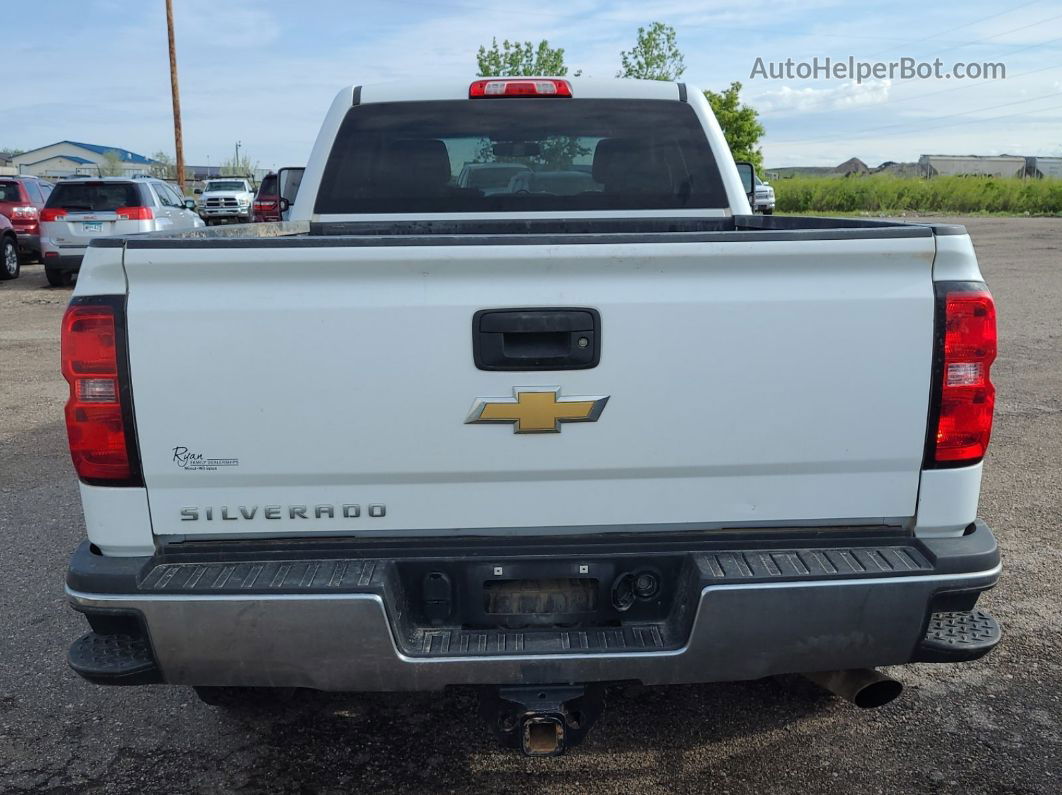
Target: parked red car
column 21, row 201
column 266, row 205
column 9, row 265
column 276, row 194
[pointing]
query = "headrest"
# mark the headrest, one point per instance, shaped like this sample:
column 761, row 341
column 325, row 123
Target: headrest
column 425, row 161
column 615, row 156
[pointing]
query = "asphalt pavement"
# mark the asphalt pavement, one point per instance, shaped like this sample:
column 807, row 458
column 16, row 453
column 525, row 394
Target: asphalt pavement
column 991, row 726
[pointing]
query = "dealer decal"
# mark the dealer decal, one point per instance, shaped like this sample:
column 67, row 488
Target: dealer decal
column 186, row 459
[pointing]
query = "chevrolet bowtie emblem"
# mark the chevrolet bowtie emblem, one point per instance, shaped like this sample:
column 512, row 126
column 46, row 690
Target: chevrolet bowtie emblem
column 537, row 409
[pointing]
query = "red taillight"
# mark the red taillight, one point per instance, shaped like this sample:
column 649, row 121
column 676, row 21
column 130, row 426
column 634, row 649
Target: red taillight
column 264, row 206
column 135, row 213
column 52, row 213
column 967, row 397
column 95, row 423
column 520, row 87
column 24, row 213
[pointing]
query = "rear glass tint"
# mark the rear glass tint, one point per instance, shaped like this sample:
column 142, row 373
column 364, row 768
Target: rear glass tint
column 9, row 192
column 95, row 196
column 269, row 185
column 520, row 154
column 34, row 192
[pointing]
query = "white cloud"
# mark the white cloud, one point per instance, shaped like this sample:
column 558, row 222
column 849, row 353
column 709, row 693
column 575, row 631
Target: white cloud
column 786, row 99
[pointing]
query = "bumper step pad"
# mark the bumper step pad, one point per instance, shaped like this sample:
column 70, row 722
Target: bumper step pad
column 114, row 660
column 958, row 636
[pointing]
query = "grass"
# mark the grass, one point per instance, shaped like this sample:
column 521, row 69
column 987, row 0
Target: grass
column 888, row 194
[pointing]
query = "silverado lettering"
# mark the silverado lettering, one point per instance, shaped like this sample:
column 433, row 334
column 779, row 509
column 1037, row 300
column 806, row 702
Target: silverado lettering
column 225, row 513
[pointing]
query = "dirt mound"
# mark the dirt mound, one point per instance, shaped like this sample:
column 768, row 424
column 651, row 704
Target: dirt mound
column 852, row 166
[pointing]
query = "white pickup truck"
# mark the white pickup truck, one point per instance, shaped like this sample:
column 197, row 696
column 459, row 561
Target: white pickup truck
column 224, row 200
column 539, row 441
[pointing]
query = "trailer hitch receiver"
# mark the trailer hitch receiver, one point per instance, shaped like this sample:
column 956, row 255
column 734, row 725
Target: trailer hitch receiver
column 544, row 720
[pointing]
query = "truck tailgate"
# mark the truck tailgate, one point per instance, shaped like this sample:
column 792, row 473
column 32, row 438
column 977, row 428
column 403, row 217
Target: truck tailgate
column 323, row 388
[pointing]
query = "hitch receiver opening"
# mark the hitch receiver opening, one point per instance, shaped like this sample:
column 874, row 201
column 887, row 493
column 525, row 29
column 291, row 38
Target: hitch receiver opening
column 544, row 720
column 542, row 736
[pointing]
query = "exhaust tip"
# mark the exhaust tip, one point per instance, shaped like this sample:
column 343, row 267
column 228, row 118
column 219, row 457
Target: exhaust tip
column 877, row 694
column 864, row 687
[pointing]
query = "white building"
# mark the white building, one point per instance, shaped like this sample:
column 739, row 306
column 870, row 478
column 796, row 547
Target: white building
column 70, row 158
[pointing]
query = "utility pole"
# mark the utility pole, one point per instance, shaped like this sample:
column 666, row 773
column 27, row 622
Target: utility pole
column 178, row 138
column 236, row 162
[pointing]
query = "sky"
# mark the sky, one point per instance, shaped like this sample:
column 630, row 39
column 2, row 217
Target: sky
column 264, row 72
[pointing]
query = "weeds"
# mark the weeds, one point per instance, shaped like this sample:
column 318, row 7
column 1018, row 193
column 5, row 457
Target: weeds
column 889, row 194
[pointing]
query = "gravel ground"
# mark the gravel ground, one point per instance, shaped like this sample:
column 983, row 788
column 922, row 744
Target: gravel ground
column 990, row 726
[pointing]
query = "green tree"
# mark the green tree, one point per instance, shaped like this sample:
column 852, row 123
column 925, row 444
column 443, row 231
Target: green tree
column 244, row 167
column 11, row 151
column 516, row 59
column 112, row 165
column 655, row 56
column 740, row 123
column 163, row 167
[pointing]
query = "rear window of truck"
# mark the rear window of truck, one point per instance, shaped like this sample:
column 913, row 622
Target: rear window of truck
column 95, row 196
column 484, row 155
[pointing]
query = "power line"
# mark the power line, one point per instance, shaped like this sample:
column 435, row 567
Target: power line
column 929, row 126
column 1004, row 33
column 971, row 84
column 935, row 118
column 964, row 25
column 905, row 41
column 958, row 88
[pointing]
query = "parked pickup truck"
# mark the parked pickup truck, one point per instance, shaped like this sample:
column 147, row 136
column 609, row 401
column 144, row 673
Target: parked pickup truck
column 224, row 200
column 428, row 435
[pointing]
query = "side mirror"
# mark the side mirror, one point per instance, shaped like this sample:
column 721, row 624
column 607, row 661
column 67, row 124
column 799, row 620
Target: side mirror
column 189, row 204
column 197, row 191
column 285, row 205
column 747, row 172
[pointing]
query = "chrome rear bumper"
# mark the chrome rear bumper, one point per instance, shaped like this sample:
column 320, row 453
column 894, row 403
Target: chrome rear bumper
column 359, row 642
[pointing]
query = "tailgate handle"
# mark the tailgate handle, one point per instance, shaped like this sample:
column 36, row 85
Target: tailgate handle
column 536, row 339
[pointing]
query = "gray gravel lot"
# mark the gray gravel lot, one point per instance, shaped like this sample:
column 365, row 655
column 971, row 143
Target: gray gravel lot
column 989, row 726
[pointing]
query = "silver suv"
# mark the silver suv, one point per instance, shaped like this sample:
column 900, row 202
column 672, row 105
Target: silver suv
column 81, row 210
